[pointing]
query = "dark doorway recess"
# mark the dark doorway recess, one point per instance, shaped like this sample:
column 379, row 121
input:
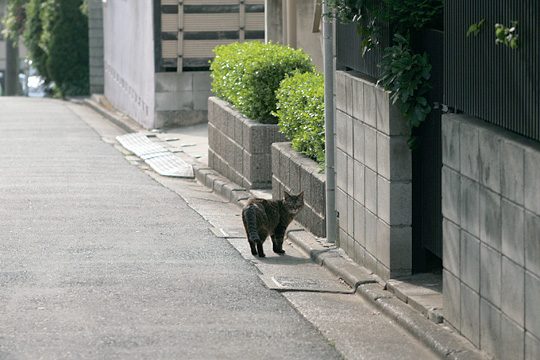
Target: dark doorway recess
column 427, row 163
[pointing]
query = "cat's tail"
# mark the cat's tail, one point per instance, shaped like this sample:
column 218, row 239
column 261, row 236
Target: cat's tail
column 249, row 216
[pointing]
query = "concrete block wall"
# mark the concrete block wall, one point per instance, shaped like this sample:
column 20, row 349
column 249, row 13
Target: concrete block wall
column 294, row 172
column 491, row 237
column 95, row 40
column 240, row 148
column 373, row 178
column 182, row 98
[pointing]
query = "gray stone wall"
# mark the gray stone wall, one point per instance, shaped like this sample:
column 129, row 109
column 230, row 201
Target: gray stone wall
column 373, row 178
column 277, row 19
column 95, row 40
column 182, row 98
column 294, row 172
column 491, row 237
column 273, row 21
column 306, row 39
column 240, row 148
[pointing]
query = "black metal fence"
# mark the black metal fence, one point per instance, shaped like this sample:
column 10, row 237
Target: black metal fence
column 494, row 82
column 349, row 52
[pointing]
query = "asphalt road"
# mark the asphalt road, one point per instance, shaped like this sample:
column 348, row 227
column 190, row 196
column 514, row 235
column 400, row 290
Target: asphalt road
column 99, row 261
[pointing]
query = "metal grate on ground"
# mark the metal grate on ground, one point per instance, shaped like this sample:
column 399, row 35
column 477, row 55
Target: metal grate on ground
column 160, row 159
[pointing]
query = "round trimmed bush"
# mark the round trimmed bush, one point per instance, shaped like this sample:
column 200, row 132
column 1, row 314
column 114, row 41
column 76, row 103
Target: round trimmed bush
column 248, row 74
column 300, row 110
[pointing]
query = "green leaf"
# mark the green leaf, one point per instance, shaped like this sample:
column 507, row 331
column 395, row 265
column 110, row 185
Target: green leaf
column 474, row 29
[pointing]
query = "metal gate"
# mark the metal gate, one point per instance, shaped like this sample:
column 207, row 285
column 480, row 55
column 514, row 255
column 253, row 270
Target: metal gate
column 190, row 29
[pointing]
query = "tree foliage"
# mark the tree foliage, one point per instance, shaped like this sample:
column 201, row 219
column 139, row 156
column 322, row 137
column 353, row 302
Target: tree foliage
column 14, row 19
column 67, row 61
column 55, row 33
column 32, row 38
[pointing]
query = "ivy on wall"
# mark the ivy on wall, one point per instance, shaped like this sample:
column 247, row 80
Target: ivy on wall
column 405, row 74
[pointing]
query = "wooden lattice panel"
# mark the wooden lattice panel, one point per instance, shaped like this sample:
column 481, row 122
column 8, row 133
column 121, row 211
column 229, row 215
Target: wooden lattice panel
column 190, row 29
column 211, row 22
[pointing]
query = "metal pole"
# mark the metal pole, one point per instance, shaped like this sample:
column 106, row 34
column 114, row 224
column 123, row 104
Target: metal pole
column 328, row 41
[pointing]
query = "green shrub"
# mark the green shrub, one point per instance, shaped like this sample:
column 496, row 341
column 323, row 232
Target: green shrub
column 300, row 110
column 248, row 74
column 32, row 38
column 67, row 63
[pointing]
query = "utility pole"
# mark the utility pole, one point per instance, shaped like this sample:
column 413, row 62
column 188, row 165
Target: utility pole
column 12, row 68
column 328, row 41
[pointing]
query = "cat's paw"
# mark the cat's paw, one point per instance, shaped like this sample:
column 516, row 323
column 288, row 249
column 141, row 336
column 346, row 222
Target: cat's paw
column 280, row 252
column 261, row 255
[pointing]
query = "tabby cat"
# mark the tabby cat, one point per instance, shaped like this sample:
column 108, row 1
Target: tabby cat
column 270, row 217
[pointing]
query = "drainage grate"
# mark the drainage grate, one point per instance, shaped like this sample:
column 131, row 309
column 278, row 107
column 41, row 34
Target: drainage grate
column 140, row 145
column 156, row 156
column 170, row 165
column 291, row 283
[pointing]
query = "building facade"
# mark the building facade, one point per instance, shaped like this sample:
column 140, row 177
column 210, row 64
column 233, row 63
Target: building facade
column 165, row 80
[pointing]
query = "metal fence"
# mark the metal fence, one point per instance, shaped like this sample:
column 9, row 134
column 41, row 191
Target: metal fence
column 493, row 82
column 349, row 52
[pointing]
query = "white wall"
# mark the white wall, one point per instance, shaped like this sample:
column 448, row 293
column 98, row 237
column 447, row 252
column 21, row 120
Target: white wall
column 129, row 58
column 2, row 42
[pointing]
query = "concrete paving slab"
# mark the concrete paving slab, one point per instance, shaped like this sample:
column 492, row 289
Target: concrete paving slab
column 193, row 140
column 357, row 330
column 156, row 156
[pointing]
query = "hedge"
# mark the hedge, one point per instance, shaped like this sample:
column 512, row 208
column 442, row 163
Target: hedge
column 32, row 38
column 248, row 74
column 300, row 110
column 68, row 62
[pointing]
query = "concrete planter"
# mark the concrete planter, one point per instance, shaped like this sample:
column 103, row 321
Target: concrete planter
column 239, row 148
column 293, row 172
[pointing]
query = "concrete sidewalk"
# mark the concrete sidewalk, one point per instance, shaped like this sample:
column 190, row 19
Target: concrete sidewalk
column 191, row 143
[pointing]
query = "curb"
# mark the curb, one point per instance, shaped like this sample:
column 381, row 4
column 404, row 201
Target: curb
column 441, row 339
column 118, row 119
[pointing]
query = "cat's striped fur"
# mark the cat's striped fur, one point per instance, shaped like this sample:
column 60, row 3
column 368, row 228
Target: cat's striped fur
column 263, row 218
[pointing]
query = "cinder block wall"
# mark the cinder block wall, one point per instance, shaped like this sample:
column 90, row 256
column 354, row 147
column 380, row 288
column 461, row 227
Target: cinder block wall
column 182, row 98
column 95, row 39
column 294, row 172
column 491, row 237
column 373, row 178
column 240, row 148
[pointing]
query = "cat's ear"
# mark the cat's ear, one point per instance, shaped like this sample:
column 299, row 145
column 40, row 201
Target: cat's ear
column 286, row 194
column 301, row 195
